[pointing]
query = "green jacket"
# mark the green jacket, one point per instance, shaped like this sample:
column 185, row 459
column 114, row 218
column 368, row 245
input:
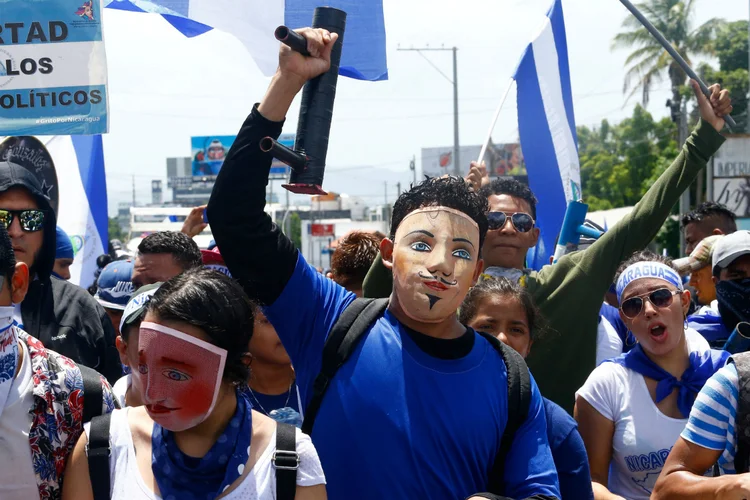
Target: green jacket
column 570, row 293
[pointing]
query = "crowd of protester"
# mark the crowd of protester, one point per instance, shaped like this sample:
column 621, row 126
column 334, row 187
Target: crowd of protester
column 242, row 372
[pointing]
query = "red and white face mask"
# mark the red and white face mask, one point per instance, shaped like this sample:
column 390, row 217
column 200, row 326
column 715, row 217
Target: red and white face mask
column 180, row 376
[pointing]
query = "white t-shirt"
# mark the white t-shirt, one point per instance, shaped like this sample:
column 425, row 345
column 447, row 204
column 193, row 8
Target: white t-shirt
column 126, row 482
column 17, row 479
column 120, row 389
column 643, row 434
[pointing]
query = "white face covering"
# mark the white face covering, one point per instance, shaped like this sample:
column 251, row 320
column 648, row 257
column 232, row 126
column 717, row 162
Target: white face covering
column 8, row 352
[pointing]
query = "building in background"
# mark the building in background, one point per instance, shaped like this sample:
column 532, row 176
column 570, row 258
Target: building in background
column 731, row 177
column 502, row 160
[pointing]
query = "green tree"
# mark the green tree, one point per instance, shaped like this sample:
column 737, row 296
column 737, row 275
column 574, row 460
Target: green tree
column 295, row 227
column 114, row 230
column 649, row 61
column 731, row 47
column 620, row 162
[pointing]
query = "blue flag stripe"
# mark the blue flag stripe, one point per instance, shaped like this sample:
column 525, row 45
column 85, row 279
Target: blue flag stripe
column 539, row 155
column 90, row 154
column 561, row 44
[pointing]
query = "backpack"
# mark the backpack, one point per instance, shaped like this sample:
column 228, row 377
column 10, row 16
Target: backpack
column 742, row 419
column 350, row 329
column 285, row 459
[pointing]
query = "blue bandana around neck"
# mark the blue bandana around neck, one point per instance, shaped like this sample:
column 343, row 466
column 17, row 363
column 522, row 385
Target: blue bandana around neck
column 181, row 477
column 702, row 367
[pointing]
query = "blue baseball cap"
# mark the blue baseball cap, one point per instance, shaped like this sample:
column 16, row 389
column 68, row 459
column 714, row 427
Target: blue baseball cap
column 64, row 249
column 115, row 285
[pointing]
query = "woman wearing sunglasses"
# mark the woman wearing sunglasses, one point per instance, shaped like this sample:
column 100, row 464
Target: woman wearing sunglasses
column 632, row 409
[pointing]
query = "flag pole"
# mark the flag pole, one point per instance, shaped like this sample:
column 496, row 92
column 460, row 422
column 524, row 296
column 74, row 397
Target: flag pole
column 483, row 151
column 672, row 52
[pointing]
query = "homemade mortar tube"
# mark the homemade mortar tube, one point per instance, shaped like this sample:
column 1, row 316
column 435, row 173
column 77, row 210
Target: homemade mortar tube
column 316, row 110
column 292, row 39
column 739, row 340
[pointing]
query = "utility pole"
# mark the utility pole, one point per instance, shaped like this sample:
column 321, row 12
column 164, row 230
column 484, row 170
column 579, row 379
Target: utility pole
column 385, row 186
column 457, row 169
column 398, row 189
column 133, row 178
column 413, row 168
column 684, row 197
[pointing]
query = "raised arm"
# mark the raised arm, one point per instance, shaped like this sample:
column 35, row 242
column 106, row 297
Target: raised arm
column 301, row 304
column 255, row 250
column 599, row 262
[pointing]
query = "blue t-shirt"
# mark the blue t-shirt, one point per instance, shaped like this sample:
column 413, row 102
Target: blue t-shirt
column 612, row 314
column 569, row 453
column 397, row 423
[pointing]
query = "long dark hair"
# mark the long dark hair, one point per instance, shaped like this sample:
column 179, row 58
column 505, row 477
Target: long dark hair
column 505, row 288
column 216, row 304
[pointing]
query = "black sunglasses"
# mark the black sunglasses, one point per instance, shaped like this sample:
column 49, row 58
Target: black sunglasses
column 520, row 220
column 661, row 298
column 31, row 220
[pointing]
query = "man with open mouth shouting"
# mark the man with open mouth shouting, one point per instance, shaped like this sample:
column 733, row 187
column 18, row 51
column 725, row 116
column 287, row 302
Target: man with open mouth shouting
column 419, row 408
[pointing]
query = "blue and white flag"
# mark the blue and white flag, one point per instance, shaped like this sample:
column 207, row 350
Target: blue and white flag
column 53, row 68
column 253, row 22
column 546, row 126
column 82, row 212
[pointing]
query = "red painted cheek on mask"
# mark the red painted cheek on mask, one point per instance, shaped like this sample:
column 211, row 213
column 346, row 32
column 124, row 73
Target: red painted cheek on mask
column 179, row 374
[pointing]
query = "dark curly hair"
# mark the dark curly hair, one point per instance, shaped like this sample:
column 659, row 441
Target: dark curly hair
column 511, row 187
column 719, row 214
column 642, row 256
column 502, row 287
column 183, row 249
column 216, row 304
column 451, row 192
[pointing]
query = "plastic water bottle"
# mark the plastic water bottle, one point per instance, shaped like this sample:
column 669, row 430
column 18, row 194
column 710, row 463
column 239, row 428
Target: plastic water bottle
column 287, row 415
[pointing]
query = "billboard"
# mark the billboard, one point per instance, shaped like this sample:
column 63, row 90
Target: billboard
column 731, row 184
column 208, row 153
column 501, row 159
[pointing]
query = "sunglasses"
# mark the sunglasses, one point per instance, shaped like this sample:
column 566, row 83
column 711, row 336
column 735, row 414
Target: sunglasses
column 660, row 298
column 522, row 222
column 31, row 220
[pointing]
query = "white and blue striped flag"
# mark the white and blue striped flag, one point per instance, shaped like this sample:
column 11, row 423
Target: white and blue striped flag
column 82, row 212
column 253, row 22
column 547, row 129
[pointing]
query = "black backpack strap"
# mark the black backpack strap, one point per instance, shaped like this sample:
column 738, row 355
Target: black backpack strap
column 98, row 453
column 92, row 393
column 341, row 342
column 519, row 399
column 286, row 461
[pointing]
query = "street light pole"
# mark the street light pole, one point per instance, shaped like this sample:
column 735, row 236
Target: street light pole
column 456, row 144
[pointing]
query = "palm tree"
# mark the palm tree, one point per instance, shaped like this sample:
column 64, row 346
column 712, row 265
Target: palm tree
column 673, row 18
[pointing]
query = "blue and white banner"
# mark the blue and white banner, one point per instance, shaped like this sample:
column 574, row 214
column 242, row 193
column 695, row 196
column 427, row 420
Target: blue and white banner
column 253, row 22
column 53, row 68
column 546, row 126
column 82, row 213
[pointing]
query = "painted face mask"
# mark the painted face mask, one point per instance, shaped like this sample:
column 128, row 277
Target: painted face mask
column 434, row 261
column 180, row 376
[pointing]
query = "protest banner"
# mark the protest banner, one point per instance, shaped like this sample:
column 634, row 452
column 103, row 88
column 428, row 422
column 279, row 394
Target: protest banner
column 53, row 69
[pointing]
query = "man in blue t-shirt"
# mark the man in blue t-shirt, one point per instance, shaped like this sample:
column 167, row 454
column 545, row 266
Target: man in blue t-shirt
column 419, row 409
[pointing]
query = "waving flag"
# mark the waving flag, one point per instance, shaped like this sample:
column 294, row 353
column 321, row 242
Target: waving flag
column 82, row 213
column 546, row 126
column 254, row 21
